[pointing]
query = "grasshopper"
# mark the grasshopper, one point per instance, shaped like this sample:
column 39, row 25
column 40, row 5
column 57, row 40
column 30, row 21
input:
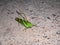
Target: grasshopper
column 24, row 21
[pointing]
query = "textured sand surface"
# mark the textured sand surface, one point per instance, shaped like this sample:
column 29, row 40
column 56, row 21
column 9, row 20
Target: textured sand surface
column 44, row 13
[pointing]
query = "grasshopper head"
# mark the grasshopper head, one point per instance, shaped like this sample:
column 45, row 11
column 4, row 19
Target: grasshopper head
column 18, row 19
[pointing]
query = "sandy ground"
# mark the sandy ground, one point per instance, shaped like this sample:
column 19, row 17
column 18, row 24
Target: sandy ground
column 44, row 13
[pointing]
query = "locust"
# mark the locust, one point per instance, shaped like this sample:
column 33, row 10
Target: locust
column 24, row 21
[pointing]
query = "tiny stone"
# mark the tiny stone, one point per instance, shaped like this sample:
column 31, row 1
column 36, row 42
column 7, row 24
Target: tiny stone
column 42, row 2
column 52, row 26
column 38, row 22
column 11, row 44
column 0, row 43
column 7, row 12
column 31, row 10
column 44, row 36
column 48, row 38
column 58, row 40
column 25, row 41
column 8, row 29
column 12, row 12
column 33, row 17
column 11, row 0
column 10, row 23
column 53, row 14
column 57, row 15
column 0, row 4
column 43, row 27
column 38, row 35
column 11, row 17
column 48, row 17
column 58, row 33
column 52, row 5
column 27, row 9
column 58, row 25
column 38, row 40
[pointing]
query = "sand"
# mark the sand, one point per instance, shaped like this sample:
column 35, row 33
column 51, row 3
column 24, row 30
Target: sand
column 45, row 14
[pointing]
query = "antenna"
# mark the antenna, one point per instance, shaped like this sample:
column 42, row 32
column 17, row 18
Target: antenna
column 23, row 14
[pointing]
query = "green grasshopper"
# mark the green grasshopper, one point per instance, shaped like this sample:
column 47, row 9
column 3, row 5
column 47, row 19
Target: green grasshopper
column 24, row 21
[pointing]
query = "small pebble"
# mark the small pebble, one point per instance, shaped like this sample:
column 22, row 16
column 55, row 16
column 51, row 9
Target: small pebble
column 7, row 12
column 25, row 41
column 10, row 23
column 58, row 40
column 42, row 2
column 11, row 44
column 11, row 0
column 44, row 36
column 48, row 38
column 33, row 17
column 58, row 25
column 0, row 4
column 0, row 43
column 38, row 40
column 58, row 32
column 31, row 10
column 48, row 17
column 52, row 26
column 53, row 14
column 52, row 5
column 27, row 9
column 43, row 27
column 12, row 12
